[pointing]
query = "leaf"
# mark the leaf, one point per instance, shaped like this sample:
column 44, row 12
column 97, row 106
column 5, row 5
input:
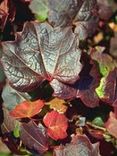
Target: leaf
column 12, row 98
column 107, row 90
column 57, row 125
column 111, row 125
column 40, row 9
column 86, row 20
column 41, row 53
column 105, row 11
column 58, row 105
column 3, row 13
column 84, row 88
column 34, row 137
column 27, row 109
column 79, row 146
column 81, row 13
column 9, row 123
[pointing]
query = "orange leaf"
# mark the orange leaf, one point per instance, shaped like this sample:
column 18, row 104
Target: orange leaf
column 58, row 105
column 57, row 125
column 27, row 109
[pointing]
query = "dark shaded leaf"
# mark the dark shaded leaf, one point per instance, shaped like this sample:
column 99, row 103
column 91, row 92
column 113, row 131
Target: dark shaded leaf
column 34, row 137
column 84, row 88
column 105, row 10
column 79, row 146
column 41, row 52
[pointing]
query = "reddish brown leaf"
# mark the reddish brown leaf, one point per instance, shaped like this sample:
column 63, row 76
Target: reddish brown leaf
column 57, row 125
column 3, row 13
column 27, row 109
column 111, row 125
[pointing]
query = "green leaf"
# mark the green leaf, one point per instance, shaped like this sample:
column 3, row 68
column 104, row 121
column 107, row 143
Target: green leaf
column 100, row 90
column 104, row 70
column 98, row 121
column 40, row 9
column 16, row 131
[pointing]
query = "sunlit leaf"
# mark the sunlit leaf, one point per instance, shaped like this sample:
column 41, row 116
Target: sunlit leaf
column 27, row 109
column 58, row 105
column 41, row 53
column 57, row 125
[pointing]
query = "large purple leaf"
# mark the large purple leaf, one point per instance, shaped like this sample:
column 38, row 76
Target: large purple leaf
column 41, row 52
column 79, row 146
column 34, row 137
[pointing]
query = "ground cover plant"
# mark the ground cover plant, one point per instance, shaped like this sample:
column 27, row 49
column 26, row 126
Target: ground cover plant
column 58, row 77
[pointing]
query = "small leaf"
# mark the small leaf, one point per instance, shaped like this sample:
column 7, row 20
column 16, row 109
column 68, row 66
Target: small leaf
column 16, row 131
column 57, row 125
column 98, row 121
column 34, row 137
column 27, row 109
column 58, row 105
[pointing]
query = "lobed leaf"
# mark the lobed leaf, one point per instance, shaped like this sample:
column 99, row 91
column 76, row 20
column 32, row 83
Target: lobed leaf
column 41, row 53
column 57, row 125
